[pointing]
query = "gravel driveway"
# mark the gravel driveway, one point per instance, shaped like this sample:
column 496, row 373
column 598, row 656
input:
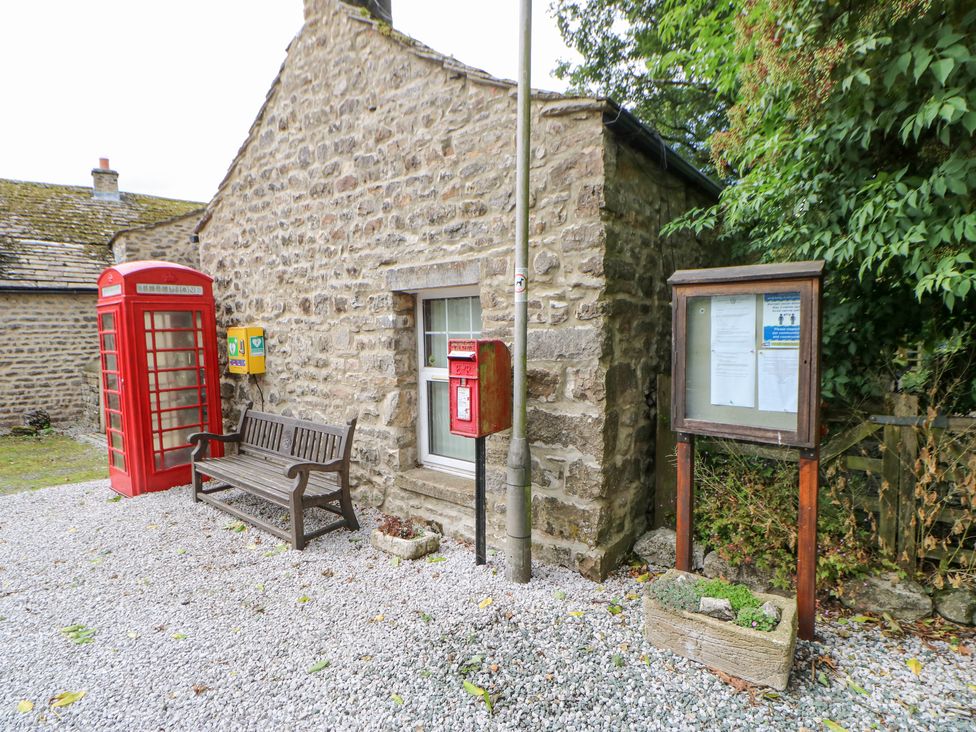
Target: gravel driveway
column 200, row 627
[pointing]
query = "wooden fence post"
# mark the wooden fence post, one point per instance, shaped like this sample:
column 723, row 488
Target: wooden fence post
column 665, row 474
column 907, row 406
column 890, row 492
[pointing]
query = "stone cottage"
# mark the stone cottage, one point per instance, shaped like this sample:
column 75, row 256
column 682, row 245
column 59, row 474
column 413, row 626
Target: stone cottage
column 54, row 242
column 369, row 216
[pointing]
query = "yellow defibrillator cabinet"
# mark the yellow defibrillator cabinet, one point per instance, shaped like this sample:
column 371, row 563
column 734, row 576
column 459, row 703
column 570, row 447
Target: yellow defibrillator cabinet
column 245, row 350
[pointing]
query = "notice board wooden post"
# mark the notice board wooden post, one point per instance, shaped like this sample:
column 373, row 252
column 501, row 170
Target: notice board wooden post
column 745, row 365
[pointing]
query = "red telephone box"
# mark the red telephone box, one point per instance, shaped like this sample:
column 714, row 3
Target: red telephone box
column 158, row 342
column 480, row 374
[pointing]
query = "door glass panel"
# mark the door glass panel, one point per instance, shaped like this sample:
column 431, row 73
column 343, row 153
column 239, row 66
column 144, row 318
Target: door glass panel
column 113, row 402
column 115, row 439
column 175, row 359
column 108, row 342
column 108, row 321
column 181, row 398
column 179, row 418
column 178, row 438
column 176, row 379
column 172, row 319
column 173, row 458
column 176, row 339
column 118, row 460
column 115, row 420
column 442, row 442
column 111, row 362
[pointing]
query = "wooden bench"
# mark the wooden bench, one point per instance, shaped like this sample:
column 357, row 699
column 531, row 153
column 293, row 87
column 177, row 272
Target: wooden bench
column 293, row 463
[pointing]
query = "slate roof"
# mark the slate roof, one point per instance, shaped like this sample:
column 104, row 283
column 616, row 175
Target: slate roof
column 57, row 237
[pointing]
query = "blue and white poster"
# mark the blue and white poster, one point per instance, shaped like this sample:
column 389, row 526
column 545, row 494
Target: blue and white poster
column 781, row 320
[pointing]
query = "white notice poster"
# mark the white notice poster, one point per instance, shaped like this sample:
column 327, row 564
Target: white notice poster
column 733, row 346
column 779, row 374
column 464, row 403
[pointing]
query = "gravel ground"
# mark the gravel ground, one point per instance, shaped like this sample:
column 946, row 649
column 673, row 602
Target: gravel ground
column 200, row 627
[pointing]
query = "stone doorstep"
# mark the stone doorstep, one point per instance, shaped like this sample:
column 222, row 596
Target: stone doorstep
column 439, row 486
column 763, row 658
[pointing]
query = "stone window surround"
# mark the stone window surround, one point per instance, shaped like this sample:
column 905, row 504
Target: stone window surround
column 453, row 278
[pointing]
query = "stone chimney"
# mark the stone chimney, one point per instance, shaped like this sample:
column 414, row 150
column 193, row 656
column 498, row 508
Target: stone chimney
column 379, row 9
column 105, row 182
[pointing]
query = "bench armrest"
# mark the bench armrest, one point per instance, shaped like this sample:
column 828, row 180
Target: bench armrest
column 332, row 466
column 202, row 439
column 207, row 436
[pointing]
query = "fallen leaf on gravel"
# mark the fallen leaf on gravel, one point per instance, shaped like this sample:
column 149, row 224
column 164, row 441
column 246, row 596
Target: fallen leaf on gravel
column 823, row 680
column 79, row 634
column 328, row 573
column 971, row 687
column 114, row 499
column 576, row 613
column 642, row 578
column 863, row 619
column 478, row 691
column 833, row 726
column 279, row 549
column 426, row 618
column 397, row 698
column 618, row 660
column 915, row 665
column 377, row 618
column 132, row 634
column 434, row 560
column 485, row 603
column 318, row 666
column 236, row 526
column 198, row 689
column 26, row 705
column 494, row 668
column 771, row 695
column 178, row 636
column 65, row 698
column 614, row 609
column 559, row 595
column 854, row 686
column 471, row 665
column 395, row 561
column 304, row 598
column 631, row 596
column 892, row 624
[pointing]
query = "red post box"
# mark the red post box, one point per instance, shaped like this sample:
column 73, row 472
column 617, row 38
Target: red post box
column 480, row 386
column 158, row 343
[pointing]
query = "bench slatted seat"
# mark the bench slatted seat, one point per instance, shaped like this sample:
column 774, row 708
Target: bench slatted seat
column 292, row 463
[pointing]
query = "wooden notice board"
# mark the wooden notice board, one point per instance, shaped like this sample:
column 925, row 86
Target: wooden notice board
column 745, row 365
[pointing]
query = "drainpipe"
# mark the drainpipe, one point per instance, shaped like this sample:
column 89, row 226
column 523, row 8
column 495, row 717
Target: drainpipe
column 518, row 516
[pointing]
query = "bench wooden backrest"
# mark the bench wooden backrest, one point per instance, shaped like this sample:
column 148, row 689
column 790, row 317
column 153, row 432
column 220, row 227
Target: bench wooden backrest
column 299, row 439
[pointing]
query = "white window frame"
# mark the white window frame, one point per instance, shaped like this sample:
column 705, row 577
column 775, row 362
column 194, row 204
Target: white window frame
column 427, row 374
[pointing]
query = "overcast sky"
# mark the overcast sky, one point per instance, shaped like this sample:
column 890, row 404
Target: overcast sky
column 168, row 90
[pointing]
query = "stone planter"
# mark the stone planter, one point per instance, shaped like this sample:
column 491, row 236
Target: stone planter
column 414, row 548
column 763, row 658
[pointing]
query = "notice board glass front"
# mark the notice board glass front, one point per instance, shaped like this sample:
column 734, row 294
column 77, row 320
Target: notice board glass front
column 745, row 360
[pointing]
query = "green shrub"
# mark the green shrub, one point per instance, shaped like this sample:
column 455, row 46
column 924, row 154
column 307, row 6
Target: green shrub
column 746, row 508
column 738, row 596
column 674, row 595
column 753, row 617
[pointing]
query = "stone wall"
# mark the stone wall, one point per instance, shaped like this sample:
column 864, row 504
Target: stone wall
column 48, row 339
column 377, row 169
column 639, row 199
column 167, row 241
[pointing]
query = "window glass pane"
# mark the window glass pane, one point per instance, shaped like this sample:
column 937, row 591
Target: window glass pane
column 175, row 359
column 176, row 339
column 108, row 321
column 441, row 441
column 475, row 317
column 173, row 319
column 115, row 440
column 459, row 317
column 118, row 460
column 111, row 362
column 112, row 382
column 108, row 342
column 147, row 320
column 113, row 401
column 436, row 351
column 434, row 316
column 115, row 420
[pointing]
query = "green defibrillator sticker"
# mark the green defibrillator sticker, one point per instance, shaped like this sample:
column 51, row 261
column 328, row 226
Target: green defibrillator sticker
column 257, row 345
column 232, row 347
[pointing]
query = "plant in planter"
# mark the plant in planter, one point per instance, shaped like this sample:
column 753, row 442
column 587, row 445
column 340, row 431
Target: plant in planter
column 726, row 626
column 404, row 539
